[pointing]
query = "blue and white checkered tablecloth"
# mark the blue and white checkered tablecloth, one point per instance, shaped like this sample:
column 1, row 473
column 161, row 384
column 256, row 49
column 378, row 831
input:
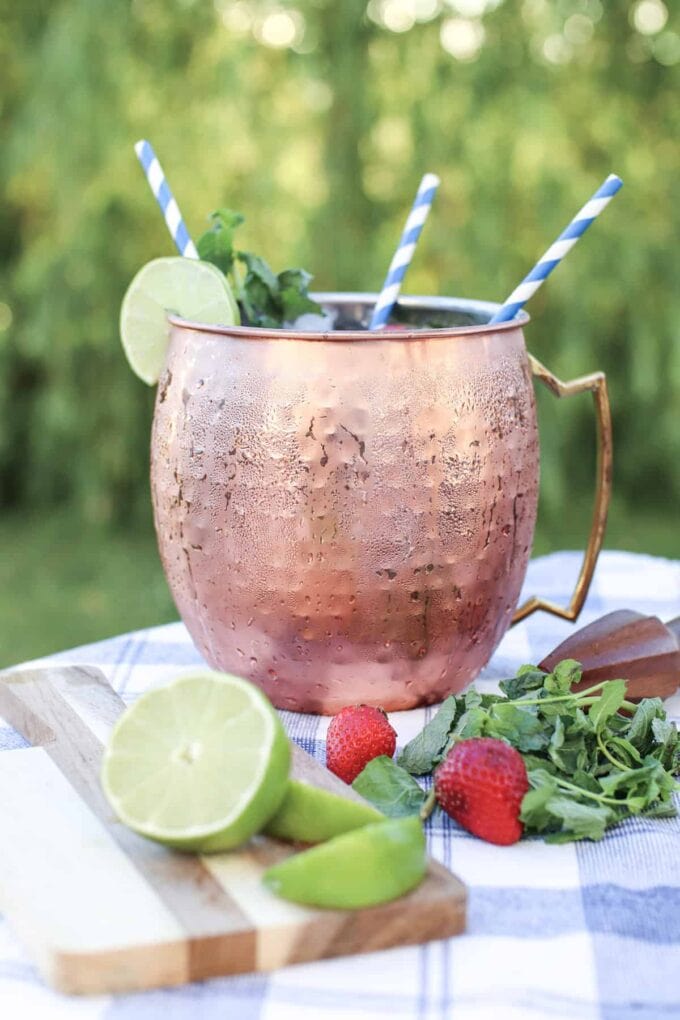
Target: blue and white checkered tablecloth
column 581, row 931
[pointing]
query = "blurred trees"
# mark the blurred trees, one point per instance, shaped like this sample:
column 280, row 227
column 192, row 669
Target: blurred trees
column 316, row 119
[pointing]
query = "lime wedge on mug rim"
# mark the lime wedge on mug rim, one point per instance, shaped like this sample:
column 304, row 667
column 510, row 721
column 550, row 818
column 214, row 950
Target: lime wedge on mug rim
column 371, row 865
column 200, row 764
column 194, row 290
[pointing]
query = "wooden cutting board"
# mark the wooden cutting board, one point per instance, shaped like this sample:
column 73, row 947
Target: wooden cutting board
column 101, row 909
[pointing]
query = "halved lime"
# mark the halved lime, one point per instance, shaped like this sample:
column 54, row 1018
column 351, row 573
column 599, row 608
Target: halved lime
column 311, row 815
column 201, row 764
column 189, row 288
column 371, row 865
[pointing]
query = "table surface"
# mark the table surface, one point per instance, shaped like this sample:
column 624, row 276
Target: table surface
column 587, row 930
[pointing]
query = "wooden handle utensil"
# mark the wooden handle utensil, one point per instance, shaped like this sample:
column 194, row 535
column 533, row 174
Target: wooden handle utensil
column 626, row 644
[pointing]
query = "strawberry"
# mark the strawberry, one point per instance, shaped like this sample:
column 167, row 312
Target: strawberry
column 480, row 784
column 356, row 735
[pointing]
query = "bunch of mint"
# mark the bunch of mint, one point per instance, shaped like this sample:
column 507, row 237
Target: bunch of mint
column 592, row 758
column 265, row 299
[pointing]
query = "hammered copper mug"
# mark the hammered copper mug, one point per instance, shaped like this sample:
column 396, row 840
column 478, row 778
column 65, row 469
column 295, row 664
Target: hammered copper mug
column 347, row 517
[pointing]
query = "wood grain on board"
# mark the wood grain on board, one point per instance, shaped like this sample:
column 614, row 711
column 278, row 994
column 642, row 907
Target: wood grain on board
column 104, row 910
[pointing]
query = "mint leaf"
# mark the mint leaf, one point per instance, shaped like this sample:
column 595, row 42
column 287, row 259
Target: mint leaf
column 390, row 788
column 578, row 820
column 609, row 702
column 541, row 777
column 521, row 727
column 660, row 809
column 216, row 245
column 586, row 781
column 529, row 678
column 663, row 731
column 636, row 804
column 572, row 757
column 534, row 813
column 626, row 753
column 563, row 677
column 471, row 723
column 533, row 763
column 567, row 748
column 275, row 300
column 491, row 699
column 640, row 729
column 425, row 750
column 226, row 220
column 577, row 723
column 666, row 741
column 260, row 291
column 294, row 304
column 296, row 279
column 294, row 294
column 650, row 780
column 258, row 273
column 472, row 698
column 265, row 299
column 562, row 815
column 557, row 737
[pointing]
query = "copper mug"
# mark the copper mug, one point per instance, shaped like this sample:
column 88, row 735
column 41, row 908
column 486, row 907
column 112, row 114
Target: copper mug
column 347, row 517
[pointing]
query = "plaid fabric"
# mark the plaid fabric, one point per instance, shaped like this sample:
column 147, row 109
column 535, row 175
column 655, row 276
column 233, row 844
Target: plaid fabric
column 581, row 931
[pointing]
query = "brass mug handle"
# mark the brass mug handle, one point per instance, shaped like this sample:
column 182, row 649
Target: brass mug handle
column 596, row 383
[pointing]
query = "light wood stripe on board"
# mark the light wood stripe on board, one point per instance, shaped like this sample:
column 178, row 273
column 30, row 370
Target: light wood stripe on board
column 103, row 910
column 205, row 913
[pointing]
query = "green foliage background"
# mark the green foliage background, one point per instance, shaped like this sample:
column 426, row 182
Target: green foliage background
column 321, row 144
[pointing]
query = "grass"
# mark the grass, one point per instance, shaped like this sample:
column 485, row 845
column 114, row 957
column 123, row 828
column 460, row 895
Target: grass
column 65, row 583
column 651, row 531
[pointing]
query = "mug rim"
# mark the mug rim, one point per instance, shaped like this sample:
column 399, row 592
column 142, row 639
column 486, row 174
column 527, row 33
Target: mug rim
column 406, row 301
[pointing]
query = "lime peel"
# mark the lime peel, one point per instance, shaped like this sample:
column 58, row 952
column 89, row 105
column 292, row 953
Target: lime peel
column 362, row 868
column 192, row 289
column 309, row 814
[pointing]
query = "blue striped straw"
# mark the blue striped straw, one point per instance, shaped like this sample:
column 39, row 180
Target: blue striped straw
column 164, row 197
column 556, row 252
column 404, row 253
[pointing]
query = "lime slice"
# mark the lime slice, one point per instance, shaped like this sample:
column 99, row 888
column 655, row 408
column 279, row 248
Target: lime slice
column 189, row 288
column 371, row 865
column 201, row 764
column 311, row 815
